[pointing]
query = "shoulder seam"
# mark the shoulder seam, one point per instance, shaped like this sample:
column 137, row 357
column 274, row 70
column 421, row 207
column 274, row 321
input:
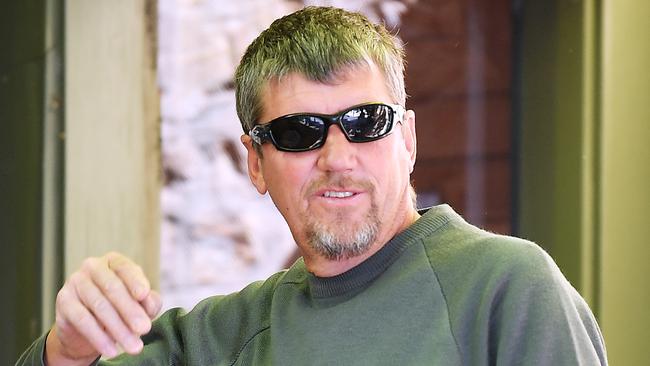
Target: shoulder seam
column 444, row 296
column 278, row 282
column 241, row 349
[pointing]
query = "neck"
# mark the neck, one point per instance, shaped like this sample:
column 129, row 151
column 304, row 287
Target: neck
column 323, row 267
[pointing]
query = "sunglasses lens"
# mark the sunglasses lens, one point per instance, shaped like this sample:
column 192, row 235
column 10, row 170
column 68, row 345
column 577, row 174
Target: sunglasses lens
column 307, row 132
column 367, row 123
column 298, row 133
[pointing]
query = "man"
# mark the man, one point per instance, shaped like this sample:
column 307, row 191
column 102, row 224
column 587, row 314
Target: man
column 320, row 95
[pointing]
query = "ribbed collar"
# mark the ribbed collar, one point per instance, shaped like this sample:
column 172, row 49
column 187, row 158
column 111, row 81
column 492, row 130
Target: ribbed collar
column 358, row 277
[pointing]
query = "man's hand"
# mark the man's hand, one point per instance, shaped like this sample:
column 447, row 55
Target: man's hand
column 105, row 304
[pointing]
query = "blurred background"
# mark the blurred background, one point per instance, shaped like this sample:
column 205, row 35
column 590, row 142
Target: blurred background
column 118, row 131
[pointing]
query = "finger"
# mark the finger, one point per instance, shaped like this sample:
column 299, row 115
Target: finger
column 106, row 314
column 131, row 274
column 152, row 304
column 71, row 313
column 129, row 309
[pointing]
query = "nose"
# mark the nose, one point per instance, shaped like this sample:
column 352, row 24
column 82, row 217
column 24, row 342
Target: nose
column 337, row 154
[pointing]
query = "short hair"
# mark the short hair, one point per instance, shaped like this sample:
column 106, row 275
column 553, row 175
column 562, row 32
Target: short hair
column 319, row 43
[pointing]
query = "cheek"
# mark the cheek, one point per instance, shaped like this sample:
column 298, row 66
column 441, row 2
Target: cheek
column 287, row 183
column 391, row 165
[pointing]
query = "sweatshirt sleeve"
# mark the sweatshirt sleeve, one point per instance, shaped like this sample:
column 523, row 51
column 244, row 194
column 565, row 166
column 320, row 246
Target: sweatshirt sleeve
column 211, row 333
column 538, row 318
column 509, row 304
column 33, row 356
column 162, row 331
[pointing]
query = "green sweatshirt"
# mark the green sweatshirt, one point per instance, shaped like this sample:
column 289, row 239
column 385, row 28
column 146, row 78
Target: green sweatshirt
column 442, row 292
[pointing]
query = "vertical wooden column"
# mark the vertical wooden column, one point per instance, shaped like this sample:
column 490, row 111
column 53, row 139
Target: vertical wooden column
column 557, row 206
column 112, row 152
column 625, row 174
column 585, row 174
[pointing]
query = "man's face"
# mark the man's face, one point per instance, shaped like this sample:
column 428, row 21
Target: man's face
column 344, row 198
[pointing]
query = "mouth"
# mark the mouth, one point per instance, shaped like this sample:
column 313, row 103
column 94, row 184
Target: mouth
column 338, row 194
column 335, row 199
column 343, row 192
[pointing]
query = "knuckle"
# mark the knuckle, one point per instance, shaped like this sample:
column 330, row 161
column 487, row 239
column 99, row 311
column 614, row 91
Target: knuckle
column 89, row 263
column 155, row 302
column 110, row 286
column 113, row 257
column 141, row 285
column 76, row 281
column 73, row 279
column 100, row 305
column 61, row 323
column 62, row 298
column 85, row 320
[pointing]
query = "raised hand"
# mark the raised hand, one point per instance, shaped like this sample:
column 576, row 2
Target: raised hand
column 106, row 304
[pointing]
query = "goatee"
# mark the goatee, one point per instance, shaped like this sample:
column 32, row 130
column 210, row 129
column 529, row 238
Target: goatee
column 342, row 239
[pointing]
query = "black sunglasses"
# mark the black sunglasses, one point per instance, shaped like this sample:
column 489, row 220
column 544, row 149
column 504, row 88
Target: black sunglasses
column 304, row 132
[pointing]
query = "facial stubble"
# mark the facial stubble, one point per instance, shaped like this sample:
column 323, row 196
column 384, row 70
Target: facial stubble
column 340, row 238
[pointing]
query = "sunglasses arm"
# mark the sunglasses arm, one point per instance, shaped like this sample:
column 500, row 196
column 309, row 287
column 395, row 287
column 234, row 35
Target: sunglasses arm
column 399, row 112
column 259, row 134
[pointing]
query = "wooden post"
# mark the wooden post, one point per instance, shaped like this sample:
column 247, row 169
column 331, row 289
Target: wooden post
column 112, row 156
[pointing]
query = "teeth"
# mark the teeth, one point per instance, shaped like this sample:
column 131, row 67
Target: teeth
column 337, row 194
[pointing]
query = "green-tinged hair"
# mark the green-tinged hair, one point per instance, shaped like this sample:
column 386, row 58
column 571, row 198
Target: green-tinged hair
column 320, row 43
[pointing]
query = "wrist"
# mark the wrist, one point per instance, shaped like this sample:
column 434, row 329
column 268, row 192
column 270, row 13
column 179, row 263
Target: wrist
column 55, row 354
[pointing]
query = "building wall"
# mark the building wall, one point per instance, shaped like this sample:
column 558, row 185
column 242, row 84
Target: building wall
column 217, row 232
column 458, row 76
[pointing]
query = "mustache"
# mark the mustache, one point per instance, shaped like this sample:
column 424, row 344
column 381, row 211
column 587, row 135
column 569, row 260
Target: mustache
column 339, row 181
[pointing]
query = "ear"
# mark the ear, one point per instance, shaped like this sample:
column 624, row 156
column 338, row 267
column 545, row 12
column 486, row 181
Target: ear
column 254, row 162
column 410, row 140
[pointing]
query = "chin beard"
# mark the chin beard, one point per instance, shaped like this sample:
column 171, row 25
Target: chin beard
column 343, row 241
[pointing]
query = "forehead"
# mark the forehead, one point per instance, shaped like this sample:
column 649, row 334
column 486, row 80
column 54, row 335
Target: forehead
column 295, row 93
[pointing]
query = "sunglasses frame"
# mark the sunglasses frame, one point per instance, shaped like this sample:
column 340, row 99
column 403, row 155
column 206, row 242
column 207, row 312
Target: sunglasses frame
column 261, row 133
